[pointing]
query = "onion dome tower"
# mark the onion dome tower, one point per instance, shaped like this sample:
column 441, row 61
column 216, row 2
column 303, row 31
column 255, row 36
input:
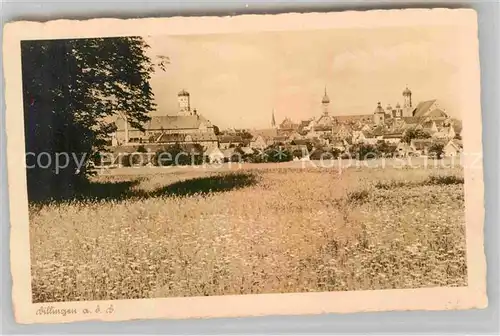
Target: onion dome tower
column 407, row 98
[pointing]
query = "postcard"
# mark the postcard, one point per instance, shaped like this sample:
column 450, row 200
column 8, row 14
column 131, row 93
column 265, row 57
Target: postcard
column 288, row 164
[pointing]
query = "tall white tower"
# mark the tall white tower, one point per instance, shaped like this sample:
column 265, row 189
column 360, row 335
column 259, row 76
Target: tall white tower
column 184, row 103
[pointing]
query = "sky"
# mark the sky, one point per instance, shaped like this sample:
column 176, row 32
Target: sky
column 237, row 80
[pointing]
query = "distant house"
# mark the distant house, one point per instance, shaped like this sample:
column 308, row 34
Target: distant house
column 306, row 125
column 396, row 125
column 393, row 138
column 452, row 148
column 230, row 154
column 341, row 132
column 378, row 132
column 295, row 136
column 258, row 142
column 445, row 133
column 429, row 127
column 364, row 137
column 207, row 140
column 360, row 119
column 166, row 130
column 338, row 145
column 280, row 139
column 312, row 135
column 403, row 149
column 263, row 138
column 366, row 127
column 421, row 146
column 247, row 150
column 287, row 126
column 322, row 130
column 214, row 155
column 300, row 142
column 429, row 108
column 227, row 141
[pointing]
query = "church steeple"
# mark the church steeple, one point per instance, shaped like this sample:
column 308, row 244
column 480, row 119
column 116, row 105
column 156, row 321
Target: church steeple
column 273, row 121
column 407, row 97
column 325, row 102
column 326, row 99
column 407, row 105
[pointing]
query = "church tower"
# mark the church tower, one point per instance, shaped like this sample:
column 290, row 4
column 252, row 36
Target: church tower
column 407, row 106
column 184, row 103
column 273, row 121
column 398, row 112
column 325, row 102
column 379, row 115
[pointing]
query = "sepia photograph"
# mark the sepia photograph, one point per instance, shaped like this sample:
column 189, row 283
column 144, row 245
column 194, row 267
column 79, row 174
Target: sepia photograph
column 237, row 162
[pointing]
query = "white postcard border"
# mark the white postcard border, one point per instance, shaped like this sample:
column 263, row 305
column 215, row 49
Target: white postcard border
column 472, row 296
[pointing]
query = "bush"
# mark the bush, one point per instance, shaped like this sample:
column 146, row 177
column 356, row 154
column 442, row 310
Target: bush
column 358, row 197
column 297, row 153
column 385, row 149
column 141, row 149
column 365, row 152
column 278, row 153
column 445, row 180
column 133, row 159
column 175, row 155
column 321, row 154
column 437, row 150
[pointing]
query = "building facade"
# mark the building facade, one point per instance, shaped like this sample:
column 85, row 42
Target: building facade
column 186, row 126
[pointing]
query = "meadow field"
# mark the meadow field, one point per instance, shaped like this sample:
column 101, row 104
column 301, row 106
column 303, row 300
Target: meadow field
column 276, row 230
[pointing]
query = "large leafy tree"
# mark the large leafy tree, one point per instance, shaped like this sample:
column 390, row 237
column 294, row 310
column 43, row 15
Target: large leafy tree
column 71, row 91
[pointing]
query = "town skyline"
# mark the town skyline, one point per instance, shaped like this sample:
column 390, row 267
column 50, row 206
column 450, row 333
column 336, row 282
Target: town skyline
column 238, row 81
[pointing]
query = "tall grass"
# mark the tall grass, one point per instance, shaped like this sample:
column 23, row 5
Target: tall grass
column 270, row 231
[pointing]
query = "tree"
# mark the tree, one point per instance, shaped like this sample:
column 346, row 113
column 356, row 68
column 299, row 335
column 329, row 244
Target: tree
column 385, row 149
column 365, row 151
column 216, row 130
column 298, row 153
column 177, row 155
column 336, row 153
column 414, row 133
column 238, row 155
column 437, row 149
column 71, row 91
column 141, row 149
column 277, row 153
column 245, row 135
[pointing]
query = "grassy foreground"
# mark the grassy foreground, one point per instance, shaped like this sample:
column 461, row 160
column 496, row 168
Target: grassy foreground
column 249, row 232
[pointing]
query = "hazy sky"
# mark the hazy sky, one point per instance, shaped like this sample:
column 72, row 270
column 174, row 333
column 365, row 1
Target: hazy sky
column 237, row 80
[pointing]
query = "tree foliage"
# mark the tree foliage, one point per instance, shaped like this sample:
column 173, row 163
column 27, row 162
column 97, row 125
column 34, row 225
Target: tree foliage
column 277, row 153
column 437, row 150
column 71, row 90
column 385, row 148
column 414, row 133
column 178, row 155
column 365, row 151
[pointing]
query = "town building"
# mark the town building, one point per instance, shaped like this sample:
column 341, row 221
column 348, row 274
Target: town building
column 229, row 141
column 185, row 126
column 325, row 121
column 287, row 127
column 453, row 148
